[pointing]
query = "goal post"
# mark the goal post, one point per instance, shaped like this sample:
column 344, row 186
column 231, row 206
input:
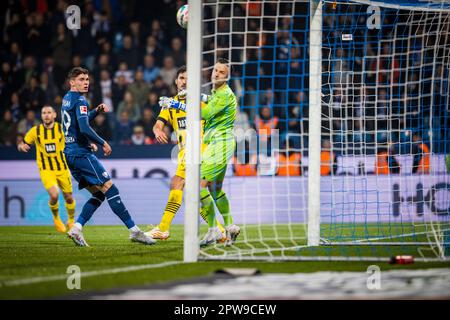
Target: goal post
column 341, row 128
column 315, row 106
column 192, row 187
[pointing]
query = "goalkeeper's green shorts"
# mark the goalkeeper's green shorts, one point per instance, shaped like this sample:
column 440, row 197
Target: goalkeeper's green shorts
column 215, row 158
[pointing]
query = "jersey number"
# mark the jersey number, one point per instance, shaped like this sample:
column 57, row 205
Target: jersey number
column 66, row 121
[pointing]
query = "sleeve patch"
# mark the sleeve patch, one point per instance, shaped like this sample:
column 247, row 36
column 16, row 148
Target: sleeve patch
column 83, row 110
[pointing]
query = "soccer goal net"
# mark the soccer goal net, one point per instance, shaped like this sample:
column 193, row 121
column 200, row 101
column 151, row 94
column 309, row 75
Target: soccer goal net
column 342, row 127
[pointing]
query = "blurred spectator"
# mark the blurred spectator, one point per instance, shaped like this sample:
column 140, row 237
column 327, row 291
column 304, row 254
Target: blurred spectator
column 84, row 43
column 48, row 88
column 147, row 122
column 139, row 138
column 106, row 49
column 130, row 106
column 168, row 71
column 245, row 162
column 15, row 56
column 161, row 88
column 265, row 123
column 157, row 31
column 101, row 27
column 386, row 162
column 104, row 92
column 124, row 71
column 37, row 34
column 29, row 70
column 328, row 160
column 33, row 97
column 151, row 71
column 15, row 107
column 102, row 64
column 61, row 46
column 129, row 53
column 289, row 162
column 152, row 103
column 421, row 153
column 27, row 123
column 153, row 48
column 76, row 61
column 102, row 127
column 7, row 130
column 6, row 83
column 177, row 52
column 136, row 34
column 14, row 29
column 123, row 129
column 139, row 88
column 119, row 90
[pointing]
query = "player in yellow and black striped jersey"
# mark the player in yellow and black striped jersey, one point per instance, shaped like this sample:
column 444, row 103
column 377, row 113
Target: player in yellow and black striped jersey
column 176, row 119
column 48, row 138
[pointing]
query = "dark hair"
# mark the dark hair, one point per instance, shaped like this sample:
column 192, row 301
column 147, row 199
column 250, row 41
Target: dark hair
column 48, row 106
column 223, row 61
column 181, row 70
column 227, row 62
column 75, row 72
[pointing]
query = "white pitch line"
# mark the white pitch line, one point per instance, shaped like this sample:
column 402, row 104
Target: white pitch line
column 27, row 281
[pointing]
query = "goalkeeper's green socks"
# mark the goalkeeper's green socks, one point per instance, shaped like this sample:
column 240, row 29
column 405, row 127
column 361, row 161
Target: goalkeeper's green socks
column 203, row 214
column 223, row 205
column 208, row 207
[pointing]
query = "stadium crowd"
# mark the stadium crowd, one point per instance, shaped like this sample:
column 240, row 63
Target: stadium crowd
column 134, row 48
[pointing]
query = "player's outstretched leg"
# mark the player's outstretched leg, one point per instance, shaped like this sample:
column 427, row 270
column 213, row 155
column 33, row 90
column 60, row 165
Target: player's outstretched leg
column 117, row 206
column 173, row 205
column 70, row 207
column 76, row 232
column 223, row 205
column 53, row 204
column 213, row 235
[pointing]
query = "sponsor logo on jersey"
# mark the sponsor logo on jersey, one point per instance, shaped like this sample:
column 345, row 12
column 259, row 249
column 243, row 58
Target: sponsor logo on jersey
column 50, row 147
column 83, row 109
column 69, row 139
column 181, row 123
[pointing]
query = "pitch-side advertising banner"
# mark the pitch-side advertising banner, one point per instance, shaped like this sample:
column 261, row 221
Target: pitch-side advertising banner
column 255, row 200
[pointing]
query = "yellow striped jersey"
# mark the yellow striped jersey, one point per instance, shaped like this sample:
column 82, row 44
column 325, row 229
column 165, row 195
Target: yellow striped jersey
column 177, row 119
column 49, row 146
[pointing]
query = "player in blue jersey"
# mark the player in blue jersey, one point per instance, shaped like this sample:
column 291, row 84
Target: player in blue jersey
column 84, row 165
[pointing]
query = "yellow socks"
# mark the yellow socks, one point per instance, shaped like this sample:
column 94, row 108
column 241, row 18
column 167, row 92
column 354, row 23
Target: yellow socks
column 70, row 207
column 56, row 219
column 173, row 204
column 54, row 209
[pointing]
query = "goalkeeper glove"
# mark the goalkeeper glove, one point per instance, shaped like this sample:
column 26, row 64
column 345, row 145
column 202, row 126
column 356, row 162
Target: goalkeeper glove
column 166, row 102
column 203, row 97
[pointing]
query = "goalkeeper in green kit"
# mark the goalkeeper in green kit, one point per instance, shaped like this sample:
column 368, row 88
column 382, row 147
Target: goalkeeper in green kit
column 219, row 115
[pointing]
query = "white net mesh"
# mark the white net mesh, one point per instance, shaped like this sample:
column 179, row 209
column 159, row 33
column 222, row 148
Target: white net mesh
column 385, row 96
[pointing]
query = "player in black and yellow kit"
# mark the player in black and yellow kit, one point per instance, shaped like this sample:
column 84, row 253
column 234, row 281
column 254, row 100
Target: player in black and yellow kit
column 49, row 140
column 176, row 119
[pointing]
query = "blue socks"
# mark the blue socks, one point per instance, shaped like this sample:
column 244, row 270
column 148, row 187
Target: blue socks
column 117, row 206
column 90, row 207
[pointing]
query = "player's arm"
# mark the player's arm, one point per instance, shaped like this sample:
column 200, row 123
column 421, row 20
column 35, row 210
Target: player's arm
column 28, row 140
column 215, row 105
column 100, row 109
column 158, row 130
column 166, row 102
column 87, row 131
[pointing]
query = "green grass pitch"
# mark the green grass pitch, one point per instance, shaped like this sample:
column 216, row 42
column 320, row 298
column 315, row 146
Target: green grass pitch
column 40, row 252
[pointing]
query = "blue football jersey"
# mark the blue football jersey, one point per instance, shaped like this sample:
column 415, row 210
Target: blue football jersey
column 74, row 106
